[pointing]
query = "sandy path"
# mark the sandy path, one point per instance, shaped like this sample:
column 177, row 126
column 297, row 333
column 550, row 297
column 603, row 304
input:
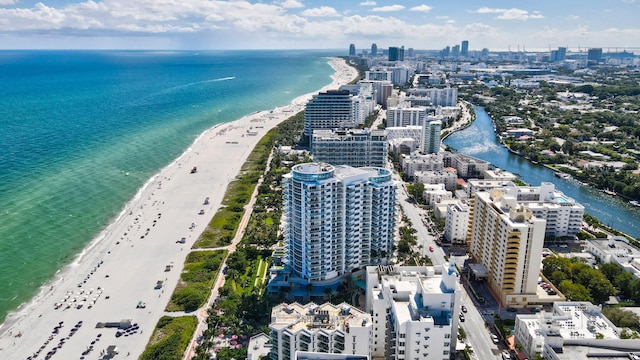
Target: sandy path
column 122, row 265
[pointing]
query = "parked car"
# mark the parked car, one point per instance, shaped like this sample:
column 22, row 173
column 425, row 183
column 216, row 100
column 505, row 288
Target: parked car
column 464, row 309
column 461, row 317
column 494, row 338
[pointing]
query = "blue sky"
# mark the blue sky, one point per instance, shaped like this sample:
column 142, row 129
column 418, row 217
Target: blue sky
column 314, row 24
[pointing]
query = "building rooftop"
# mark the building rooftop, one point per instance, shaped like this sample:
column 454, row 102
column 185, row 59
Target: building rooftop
column 570, row 321
column 313, row 317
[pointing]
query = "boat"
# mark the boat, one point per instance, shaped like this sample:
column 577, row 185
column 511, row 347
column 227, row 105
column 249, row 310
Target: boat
column 609, row 192
column 562, row 175
column 634, row 202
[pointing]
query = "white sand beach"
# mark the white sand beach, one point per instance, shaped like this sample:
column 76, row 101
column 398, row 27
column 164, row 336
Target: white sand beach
column 121, row 267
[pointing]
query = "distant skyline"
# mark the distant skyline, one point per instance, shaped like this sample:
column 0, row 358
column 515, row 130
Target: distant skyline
column 315, row 24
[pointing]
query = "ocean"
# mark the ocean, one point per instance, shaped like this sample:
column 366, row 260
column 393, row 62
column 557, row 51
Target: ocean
column 82, row 131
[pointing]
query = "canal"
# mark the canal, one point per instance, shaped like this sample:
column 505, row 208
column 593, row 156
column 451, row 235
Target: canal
column 479, row 141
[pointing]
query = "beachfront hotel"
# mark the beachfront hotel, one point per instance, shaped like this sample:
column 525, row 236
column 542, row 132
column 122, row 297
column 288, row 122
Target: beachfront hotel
column 319, row 330
column 337, row 219
column 353, row 147
column 332, row 109
column 415, row 311
column 506, row 244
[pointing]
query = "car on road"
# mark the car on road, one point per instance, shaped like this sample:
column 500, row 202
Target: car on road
column 494, row 338
column 461, row 317
column 464, row 309
column 431, row 248
column 201, row 212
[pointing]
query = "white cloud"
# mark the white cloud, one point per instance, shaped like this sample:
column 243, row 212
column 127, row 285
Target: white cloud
column 486, row 10
column 479, row 30
column 368, row 3
column 573, row 17
column 423, row 7
column 247, row 24
column 388, row 8
column 8, row 2
column 290, row 4
column 510, row 14
column 323, row 11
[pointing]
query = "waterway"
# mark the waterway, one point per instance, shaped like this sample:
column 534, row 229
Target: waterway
column 479, row 141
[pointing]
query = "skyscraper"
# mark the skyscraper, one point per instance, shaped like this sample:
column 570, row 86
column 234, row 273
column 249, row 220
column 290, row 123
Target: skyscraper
column 465, row 48
column 328, row 110
column 431, row 136
column 562, row 53
column 507, row 240
column 352, row 50
column 394, row 53
column 337, row 219
column 374, row 50
column 455, row 51
column 558, row 55
column 594, row 55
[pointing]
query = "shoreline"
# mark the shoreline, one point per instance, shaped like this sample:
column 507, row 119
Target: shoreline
column 120, row 266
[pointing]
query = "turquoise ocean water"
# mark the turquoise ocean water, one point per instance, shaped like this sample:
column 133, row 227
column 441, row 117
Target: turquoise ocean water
column 81, row 132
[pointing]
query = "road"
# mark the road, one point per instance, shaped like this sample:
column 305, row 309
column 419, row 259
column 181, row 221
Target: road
column 478, row 336
column 417, row 216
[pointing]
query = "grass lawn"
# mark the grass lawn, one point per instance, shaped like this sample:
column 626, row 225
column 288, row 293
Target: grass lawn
column 196, row 280
column 170, row 338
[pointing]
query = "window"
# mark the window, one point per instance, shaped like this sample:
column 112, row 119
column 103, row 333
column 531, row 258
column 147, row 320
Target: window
column 447, row 336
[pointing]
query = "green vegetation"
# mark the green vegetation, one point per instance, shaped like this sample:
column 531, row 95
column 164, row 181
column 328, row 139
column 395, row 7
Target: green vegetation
column 198, row 277
column 416, row 190
column 623, row 318
column 504, row 326
column 627, row 285
column 170, row 338
column 577, row 280
column 407, row 244
column 368, row 121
